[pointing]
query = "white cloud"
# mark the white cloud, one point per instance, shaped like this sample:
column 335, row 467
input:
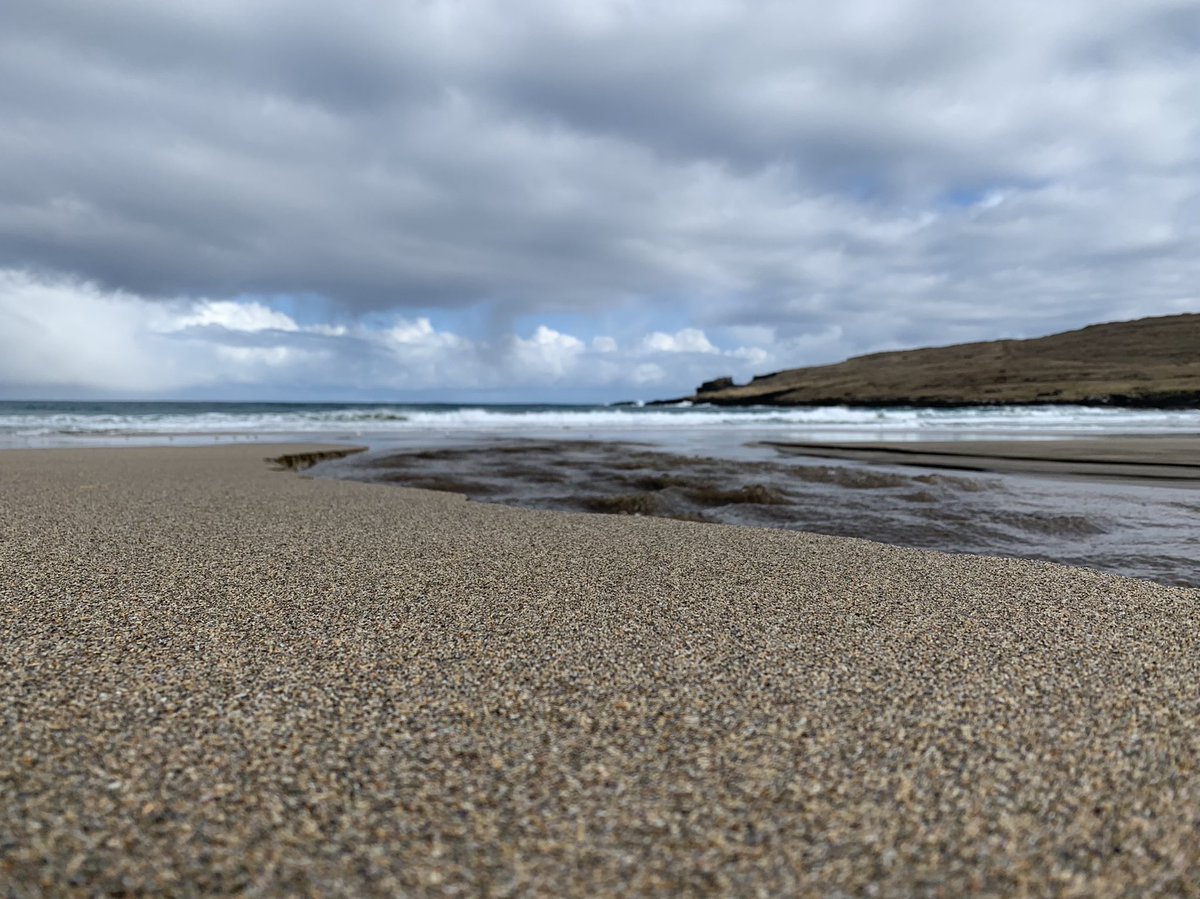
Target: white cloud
column 273, row 356
column 415, row 356
column 687, row 340
column 235, row 316
column 61, row 333
column 420, row 335
column 547, row 352
column 329, row 330
column 72, row 336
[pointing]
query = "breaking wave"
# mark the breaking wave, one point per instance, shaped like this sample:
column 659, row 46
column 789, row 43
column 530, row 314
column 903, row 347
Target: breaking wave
column 23, row 423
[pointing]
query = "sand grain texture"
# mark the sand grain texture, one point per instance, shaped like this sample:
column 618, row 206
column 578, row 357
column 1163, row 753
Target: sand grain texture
column 216, row 677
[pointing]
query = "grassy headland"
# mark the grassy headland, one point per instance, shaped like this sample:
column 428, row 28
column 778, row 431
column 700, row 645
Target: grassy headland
column 1152, row 362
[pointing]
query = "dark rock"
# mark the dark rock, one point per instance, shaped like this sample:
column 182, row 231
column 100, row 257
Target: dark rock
column 716, row 384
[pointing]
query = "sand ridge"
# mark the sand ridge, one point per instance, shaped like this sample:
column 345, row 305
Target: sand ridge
column 218, row 677
column 1146, row 460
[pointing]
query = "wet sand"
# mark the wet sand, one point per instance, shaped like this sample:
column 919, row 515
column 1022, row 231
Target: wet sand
column 216, row 676
column 1136, row 528
column 1147, row 459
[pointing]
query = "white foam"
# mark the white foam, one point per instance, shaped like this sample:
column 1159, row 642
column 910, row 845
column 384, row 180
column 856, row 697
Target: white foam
column 174, row 420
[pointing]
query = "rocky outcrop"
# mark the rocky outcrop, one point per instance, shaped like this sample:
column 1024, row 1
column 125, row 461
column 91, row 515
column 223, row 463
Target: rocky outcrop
column 1150, row 363
column 304, row 460
column 716, row 384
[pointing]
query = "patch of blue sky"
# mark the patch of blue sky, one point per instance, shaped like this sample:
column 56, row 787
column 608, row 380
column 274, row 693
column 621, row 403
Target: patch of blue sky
column 574, row 323
column 666, row 314
column 983, row 196
column 471, row 322
column 304, row 309
column 965, row 197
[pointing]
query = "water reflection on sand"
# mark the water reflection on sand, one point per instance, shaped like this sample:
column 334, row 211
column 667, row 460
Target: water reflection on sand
column 1123, row 528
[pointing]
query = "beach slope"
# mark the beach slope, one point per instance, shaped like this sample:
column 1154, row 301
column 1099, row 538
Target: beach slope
column 216, row 676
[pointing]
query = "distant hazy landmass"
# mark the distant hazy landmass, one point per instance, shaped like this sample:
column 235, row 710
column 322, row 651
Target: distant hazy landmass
column 1151, row 362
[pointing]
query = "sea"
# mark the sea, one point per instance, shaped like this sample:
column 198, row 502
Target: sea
column 708, row 464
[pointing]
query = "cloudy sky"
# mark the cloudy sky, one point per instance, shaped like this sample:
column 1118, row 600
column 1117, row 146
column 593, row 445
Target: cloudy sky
column 575, row 199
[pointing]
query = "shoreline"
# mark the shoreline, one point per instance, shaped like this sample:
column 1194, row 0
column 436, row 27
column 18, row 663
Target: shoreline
column 221, row 676
column 1161, row 456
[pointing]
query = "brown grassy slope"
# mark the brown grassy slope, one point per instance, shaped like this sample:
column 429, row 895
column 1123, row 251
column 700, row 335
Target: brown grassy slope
column 1148, row 362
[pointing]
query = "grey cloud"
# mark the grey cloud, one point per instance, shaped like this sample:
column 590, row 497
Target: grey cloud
column 754, row 162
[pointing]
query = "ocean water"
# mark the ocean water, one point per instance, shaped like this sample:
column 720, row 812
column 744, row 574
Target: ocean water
column 702, row 463
column 44, row 424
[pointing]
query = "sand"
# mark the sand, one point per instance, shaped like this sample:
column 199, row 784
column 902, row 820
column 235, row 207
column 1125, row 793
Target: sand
column 1169, row 460
column 220, row 677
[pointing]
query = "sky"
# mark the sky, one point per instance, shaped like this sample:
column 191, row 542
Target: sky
column 575, row 200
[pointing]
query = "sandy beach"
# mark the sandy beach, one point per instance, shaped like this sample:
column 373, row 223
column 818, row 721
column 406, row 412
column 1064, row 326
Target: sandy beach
column 218, row 676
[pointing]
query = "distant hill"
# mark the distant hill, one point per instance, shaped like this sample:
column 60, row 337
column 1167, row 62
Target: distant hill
column 1151, row 362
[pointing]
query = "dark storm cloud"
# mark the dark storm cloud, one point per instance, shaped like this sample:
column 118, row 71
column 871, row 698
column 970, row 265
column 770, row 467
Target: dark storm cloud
column 912, row 171
column 185, row 153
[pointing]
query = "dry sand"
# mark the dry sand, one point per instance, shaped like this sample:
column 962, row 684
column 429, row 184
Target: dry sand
column 1168, row 460
column 219, row 677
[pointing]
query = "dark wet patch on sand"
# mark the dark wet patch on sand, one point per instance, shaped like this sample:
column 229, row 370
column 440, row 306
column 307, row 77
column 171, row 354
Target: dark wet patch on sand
column 976, row 513
column 621, row 479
